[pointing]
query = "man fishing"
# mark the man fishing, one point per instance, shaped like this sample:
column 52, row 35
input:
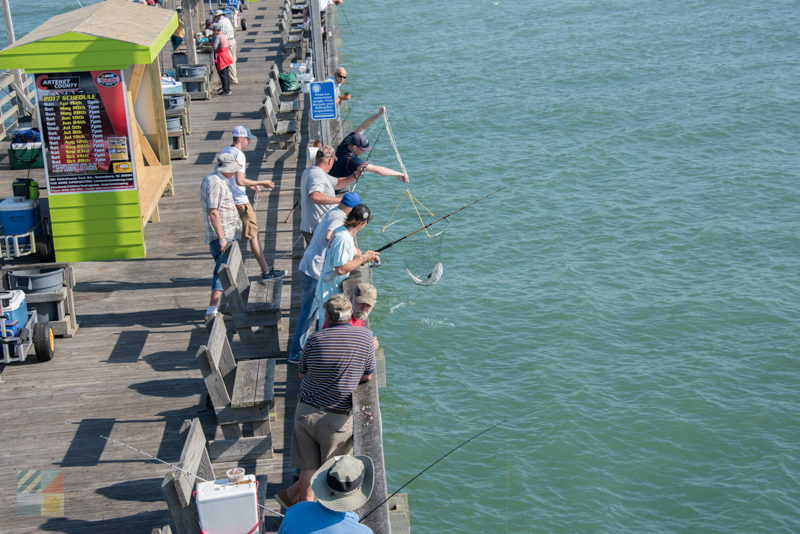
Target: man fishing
column 348, row 154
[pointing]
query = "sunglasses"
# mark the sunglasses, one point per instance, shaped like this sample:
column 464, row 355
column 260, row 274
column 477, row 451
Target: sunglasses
column 340, row 76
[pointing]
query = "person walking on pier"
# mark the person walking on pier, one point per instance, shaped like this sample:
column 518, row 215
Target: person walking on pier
column 349, row 151
column 222, row 58
column 343, row 484
column 310, row 267
column 342, row 256
column 227, row 28
column 332, row 365
column 221, row 220
column 318, row 191
column 241, row 139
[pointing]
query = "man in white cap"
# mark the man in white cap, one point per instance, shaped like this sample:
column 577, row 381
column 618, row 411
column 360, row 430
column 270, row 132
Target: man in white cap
column 227, row 28
column 241, row 140
column 343, row 484
column 221, row 220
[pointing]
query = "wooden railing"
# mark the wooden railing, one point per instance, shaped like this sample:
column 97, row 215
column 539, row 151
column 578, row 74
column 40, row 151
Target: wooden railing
column 10, row 107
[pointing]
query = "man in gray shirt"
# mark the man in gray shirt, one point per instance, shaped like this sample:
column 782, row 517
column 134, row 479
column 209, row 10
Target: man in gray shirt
column 318, row 191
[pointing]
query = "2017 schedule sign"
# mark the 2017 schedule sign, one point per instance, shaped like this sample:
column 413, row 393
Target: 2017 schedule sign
column 84, row 122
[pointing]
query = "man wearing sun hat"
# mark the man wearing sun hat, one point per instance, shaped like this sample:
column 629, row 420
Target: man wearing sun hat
column 343, row 484
column 221, row 220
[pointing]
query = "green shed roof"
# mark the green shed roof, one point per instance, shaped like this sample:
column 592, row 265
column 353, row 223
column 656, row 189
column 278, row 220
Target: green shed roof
column 108, row 35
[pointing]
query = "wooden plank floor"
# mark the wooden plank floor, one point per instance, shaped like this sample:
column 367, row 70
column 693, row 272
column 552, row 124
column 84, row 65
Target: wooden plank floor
column 130, row 372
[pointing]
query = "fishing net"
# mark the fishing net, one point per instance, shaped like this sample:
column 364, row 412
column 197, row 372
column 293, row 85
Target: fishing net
column 421, row 252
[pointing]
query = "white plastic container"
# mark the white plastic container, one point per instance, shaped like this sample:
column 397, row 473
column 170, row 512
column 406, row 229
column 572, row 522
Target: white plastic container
column 226, row 508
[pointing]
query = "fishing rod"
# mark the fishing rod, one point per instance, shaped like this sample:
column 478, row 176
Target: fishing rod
column 384, row 247
column 174, row 467
column 364, row 165
column 451, row 451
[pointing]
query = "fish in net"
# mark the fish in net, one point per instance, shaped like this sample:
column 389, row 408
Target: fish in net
column 422, row 254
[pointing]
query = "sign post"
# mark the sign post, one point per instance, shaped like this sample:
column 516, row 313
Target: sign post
column 323, row 100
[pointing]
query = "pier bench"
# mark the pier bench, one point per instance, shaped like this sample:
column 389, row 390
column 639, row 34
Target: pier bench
column 286, row 106
column 282, row 133
column 242, row 393
column 178, row 486
column 275, row 75
column 292, row 37
column 252, row 305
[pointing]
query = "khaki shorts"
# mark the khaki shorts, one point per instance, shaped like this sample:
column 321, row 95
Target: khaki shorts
column 319, row 436
column 249, row 224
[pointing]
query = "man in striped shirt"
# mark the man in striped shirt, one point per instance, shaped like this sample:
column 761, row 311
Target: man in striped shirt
column 332, row 365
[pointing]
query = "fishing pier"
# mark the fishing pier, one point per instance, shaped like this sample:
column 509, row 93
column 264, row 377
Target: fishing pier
column 131, row 373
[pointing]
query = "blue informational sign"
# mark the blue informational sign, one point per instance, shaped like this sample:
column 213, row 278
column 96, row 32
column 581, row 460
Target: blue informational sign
column 323, row 100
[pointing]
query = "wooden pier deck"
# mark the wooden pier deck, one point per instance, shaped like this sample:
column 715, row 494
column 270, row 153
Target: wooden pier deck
column 130, row 372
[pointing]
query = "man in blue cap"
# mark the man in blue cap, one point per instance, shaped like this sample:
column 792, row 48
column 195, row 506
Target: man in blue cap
column 348, row 154
column 311, row 266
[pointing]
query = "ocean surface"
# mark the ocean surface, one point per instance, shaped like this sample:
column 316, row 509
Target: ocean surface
column 629, row 301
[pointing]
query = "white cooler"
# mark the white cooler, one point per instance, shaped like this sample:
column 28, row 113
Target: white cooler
column 226, row 508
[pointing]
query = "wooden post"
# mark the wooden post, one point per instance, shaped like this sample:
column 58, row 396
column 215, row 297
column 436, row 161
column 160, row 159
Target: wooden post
column 189, row 30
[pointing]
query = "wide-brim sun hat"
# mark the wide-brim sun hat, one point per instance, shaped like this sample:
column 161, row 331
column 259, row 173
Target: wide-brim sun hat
column 344, row 483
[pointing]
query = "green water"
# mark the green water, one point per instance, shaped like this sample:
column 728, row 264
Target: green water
column 630, row 300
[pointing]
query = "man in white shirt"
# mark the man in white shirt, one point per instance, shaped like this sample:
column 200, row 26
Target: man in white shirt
column 237, row 183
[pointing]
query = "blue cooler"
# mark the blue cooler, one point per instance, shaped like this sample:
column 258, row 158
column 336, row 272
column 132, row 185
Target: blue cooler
column 18, row 215
column 15, row 309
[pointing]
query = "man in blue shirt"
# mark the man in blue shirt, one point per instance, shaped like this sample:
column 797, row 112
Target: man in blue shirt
column 342, row 484
column 348, row 154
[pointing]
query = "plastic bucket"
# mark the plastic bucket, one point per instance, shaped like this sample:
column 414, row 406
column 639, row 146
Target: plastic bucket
column 174, row 123
column 191, row 71
column 174, row 101
column 37, row 281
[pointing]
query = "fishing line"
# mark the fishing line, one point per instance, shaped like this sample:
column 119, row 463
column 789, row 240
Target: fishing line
column 364, row 165
column 412, row 479
column 384, row 247
column 394, row 143
column 341, row 122
column 175, row 467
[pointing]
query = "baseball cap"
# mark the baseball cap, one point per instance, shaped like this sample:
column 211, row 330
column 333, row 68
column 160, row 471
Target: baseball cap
column 339, row 307
column 218, row 12
column 357, row 139
column 366, row 294
column 360, row 213
column 351, row 199
column 243, row 131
